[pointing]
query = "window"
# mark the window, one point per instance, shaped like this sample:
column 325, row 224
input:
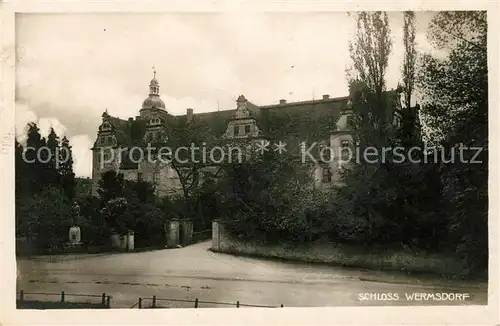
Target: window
column 106, row 126
column 247, row 130
column 236, row 130
column 349, row 122
column 156, row 177
column 344, row 144
column 327, row 175
column 139, row 176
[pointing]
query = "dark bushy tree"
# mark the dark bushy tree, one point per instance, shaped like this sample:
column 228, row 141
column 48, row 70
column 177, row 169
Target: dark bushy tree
column 110, row 186
column 455, row 89
column 67, row 175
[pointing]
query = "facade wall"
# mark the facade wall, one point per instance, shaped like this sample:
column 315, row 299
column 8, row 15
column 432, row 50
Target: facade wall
column 166, row 180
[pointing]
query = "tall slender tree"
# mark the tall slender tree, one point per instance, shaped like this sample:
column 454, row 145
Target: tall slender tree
column 35, row 168
column 410, row 57
column 369, row 51
column 68, row 182
column 409, row 132
column 455, row 87
column 52, row 176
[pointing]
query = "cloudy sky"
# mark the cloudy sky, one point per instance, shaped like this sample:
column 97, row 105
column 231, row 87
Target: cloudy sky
column 71, row 67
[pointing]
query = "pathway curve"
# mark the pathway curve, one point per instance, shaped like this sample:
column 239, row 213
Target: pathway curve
column 195, row 272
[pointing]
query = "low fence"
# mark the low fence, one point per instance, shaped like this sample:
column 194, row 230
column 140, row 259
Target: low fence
column 156, row 302
column 31, row 300
column 23, row 302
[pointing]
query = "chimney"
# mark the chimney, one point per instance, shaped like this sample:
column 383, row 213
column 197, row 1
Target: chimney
column 189, row 115
column 282, row 101
column 130, row 119
column 137, row 117
column 326, row 97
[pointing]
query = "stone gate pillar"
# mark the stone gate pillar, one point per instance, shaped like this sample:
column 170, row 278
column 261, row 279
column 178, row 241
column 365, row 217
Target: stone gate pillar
column 216, row 235
column 173, row 236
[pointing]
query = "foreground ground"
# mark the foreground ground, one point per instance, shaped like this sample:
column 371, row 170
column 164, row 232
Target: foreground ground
column 195, row 272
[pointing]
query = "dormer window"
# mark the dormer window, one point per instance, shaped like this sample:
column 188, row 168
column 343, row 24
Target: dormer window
column 106, row 126
column 155, row 121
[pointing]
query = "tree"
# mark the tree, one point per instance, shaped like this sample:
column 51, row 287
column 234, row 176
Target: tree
column 47, row 217
column 52, row 175
column 364, row 201
column 369, row 52
column 114, row 215
column 22, row 183
column 410, row 57
column 455, row 87
column 110, row 186
column 35, row 169
column 409, row 131
column 267, row 197
column 68, row 181
column 93, row 226
column 190, row 169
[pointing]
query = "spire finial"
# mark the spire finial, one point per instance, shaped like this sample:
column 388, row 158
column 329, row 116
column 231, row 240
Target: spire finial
column 154, row 72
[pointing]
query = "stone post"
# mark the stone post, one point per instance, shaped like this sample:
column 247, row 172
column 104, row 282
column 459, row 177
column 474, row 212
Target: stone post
column 115, row 240
column 123, row 241
column 130, row 241
column 173, row 227
column 215, row 236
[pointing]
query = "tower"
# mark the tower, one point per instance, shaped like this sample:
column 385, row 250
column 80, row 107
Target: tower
column 153, row 113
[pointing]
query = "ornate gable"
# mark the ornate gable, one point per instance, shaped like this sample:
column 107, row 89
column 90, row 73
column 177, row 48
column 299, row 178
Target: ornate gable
column 243, row 124
column 241, row 108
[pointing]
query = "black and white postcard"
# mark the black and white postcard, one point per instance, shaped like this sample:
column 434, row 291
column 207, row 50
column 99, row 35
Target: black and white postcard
column 311, row 162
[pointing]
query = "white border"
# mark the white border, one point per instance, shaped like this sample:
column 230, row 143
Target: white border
column 438, row 315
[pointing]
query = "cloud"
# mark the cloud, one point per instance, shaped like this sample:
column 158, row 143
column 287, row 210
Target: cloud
column 82, row 155
column 81, row 144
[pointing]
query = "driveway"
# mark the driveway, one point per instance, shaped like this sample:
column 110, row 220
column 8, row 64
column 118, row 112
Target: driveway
column 195, row 272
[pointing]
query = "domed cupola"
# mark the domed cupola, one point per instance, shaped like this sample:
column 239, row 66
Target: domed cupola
column 153, row 101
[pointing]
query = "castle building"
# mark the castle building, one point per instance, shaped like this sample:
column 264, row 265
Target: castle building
column 323, row 121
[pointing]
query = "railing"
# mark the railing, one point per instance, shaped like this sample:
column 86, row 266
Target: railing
column 156, row 303
column 105, row 302
column 22, row 302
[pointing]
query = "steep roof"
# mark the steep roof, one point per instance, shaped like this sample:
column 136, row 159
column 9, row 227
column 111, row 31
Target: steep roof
column 304, row 121
column 120, row 129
